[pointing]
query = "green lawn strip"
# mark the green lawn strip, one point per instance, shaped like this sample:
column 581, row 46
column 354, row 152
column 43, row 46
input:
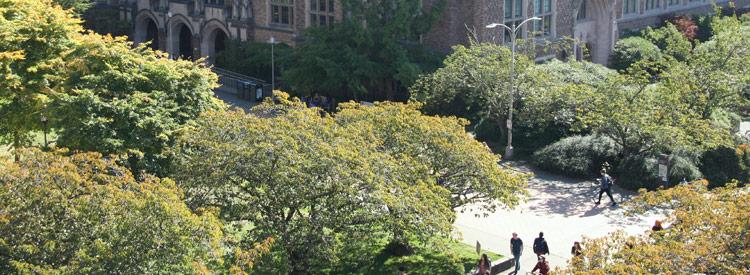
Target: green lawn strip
column 36, row 141
column 455, row 258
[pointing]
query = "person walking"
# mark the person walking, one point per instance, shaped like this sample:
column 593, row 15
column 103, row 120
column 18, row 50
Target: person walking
column 484, row 264
column 542, row 265
column 576, row 250
column 516, row 248
column 540, row 245
column 606, row 187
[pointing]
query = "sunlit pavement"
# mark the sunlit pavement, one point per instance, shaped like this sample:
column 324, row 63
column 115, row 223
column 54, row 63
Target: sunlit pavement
column 562, row 208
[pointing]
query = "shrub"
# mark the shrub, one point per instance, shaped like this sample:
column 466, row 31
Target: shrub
column 643, row 171
column 577, row 156
column 724, row 164
column 631, row 50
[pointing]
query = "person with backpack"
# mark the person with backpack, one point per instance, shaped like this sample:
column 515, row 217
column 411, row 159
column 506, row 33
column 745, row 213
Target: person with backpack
column 540, row 245
column 606, row 187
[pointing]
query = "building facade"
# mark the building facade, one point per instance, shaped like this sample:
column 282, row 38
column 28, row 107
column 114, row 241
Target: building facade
column 200, row 28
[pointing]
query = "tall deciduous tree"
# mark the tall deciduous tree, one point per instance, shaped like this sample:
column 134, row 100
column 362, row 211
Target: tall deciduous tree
column 124, row 99
column 85, row 214
column 466, row 168
column 373, row 54
column 475, row 80
column 716, row 75
column 308, row 182
column 34, row 38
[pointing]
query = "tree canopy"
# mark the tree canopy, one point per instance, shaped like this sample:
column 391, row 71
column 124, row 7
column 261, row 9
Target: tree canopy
column 315, row 182
column 35, row 37
column 86, row 214
column 123, row 99
column 372, row 54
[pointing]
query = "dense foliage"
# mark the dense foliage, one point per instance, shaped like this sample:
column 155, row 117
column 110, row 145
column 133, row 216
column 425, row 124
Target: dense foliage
column 34, row 37
column 632, row 50
column 124, row 99
column 577, row 156
column 254, row 59
column 97, row 92
column 373, row 54
column 706, row 233
column 86, row 214
column 322, row 186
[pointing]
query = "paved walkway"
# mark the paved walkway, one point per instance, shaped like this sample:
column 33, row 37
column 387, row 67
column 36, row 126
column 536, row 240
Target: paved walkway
column 562, row 208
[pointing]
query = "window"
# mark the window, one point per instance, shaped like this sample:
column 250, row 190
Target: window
column 653, row 4
column 673, row 2
column 629, row 6
column 282, row 12
column 215, row 2
column 582, row 10
column 321, row 12
column 514, row 15
column 513, row 9
column 543, row 10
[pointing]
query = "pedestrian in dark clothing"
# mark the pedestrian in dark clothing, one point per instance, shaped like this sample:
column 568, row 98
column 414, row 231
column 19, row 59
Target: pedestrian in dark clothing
column 516, row 248
column 540, row 245
column 657, row 226
column 606, row 187
column 542, row 265
column 484, row 264
column 576, row 249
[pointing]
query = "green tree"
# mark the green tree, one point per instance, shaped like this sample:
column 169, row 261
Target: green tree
column 82, row 213
column 633, row 50
column 371, row 55
column 128, row 100
column 254, row 59
column 474, row 81
column 645, row 118
column 716, row 75
column 78, row 6
column 706, row 233
column 34, row 37
column 454, row 159
column 311, row 184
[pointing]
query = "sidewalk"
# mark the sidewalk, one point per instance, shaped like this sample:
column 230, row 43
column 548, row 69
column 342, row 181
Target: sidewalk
column 562, row 208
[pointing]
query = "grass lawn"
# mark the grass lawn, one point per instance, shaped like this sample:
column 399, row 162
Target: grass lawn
column 37, row 141
column 457, row 258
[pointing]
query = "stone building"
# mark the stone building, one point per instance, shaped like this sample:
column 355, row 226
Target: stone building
column 199, row 28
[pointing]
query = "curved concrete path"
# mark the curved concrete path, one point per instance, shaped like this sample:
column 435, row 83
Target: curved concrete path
column 560, row 207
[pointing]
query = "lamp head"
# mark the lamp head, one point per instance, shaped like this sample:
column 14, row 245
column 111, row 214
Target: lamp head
column 492, row 26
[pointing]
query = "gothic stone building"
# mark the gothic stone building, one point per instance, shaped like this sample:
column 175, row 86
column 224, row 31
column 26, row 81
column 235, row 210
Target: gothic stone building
column 200, row 28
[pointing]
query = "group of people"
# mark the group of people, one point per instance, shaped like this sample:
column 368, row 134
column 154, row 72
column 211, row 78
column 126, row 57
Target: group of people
column 540, row 244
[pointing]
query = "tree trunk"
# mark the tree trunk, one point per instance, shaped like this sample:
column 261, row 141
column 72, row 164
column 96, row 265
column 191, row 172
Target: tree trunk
column 16, row 146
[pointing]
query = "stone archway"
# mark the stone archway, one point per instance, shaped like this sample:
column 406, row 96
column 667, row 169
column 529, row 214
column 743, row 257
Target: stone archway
column 152, row 34
column 215, row 39
column 147, row 31
column 597, row 29
column 184, row 42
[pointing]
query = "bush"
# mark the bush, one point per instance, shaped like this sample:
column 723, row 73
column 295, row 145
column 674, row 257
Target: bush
column 725, row 164
column 631, row 50
column 643, row 171
column 577, row 156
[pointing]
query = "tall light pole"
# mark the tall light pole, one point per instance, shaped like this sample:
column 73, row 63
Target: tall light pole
column 513, row 32
column 273, row 69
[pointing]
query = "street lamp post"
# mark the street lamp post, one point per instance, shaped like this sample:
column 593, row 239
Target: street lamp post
column 513, row 32
column 43, row 119
column 273, row 69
